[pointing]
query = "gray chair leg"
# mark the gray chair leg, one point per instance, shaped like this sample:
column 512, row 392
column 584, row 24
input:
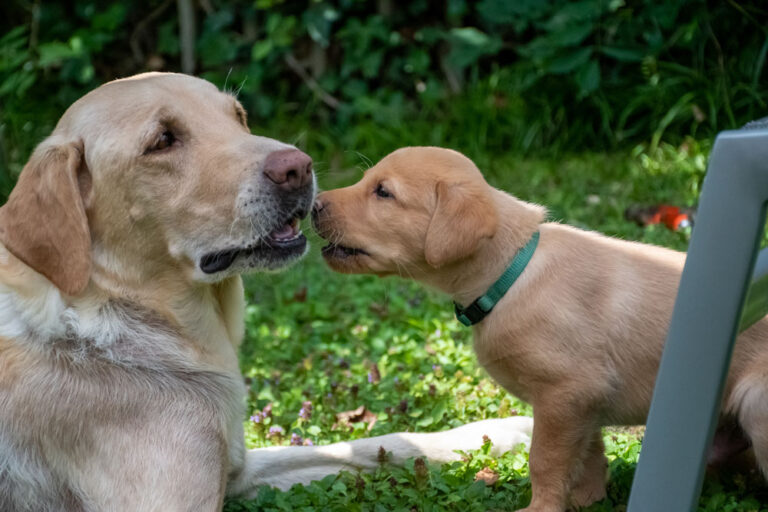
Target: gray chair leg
column 714, row 283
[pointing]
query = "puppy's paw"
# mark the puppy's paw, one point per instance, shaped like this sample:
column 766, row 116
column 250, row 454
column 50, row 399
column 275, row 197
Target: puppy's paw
column 584, row 496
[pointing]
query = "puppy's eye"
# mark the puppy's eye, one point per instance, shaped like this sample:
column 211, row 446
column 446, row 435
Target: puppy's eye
column 382, row 192
column 166, row 140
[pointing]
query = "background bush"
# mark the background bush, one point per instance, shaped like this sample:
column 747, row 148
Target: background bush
column 490, row 76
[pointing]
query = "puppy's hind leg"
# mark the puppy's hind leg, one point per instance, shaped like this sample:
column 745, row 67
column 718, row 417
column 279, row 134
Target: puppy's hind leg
column 751, row 398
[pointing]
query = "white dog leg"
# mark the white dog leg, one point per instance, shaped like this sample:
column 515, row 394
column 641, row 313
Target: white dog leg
column 283, row 466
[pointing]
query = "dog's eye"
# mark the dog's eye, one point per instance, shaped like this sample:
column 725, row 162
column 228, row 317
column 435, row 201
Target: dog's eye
column 166, row 140
column 382, row 192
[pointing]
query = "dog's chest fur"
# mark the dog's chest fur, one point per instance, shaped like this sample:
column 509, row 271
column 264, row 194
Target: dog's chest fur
column 64, row 396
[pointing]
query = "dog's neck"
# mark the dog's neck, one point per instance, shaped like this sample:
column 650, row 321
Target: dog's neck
column 208, row 316
column 471, row 277
column 157, row 281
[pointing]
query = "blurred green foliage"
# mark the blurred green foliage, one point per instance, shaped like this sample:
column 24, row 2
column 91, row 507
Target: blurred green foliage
column 529, row 75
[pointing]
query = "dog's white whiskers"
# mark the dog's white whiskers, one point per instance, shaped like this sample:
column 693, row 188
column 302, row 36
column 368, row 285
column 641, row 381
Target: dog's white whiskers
column 367, row 162
column 226, row 80
column 240, row 88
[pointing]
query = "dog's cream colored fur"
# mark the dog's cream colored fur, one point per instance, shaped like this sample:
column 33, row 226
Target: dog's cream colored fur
column 579, row 335
column 119, row 382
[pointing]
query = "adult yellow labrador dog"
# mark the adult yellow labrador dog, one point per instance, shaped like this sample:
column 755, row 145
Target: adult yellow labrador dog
column 575, row 326
column 121, row 307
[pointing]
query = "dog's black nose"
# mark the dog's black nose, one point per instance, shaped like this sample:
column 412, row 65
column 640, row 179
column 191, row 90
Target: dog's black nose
column 290, row 169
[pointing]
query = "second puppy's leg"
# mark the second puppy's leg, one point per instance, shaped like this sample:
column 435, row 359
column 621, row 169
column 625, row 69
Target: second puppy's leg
column 560, row 433
column 589, row 487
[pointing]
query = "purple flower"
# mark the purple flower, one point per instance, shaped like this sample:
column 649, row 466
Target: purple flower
column 276, row 431
column 374, row 376
column 305, row 412
column 256, row 418
column 308, row 442
column 296, row 440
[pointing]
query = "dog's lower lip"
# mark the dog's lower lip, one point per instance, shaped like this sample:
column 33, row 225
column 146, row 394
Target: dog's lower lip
column 285, row 240
column 219, row 261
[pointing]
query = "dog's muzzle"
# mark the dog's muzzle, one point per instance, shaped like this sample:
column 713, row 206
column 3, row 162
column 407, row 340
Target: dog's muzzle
column 288, row 191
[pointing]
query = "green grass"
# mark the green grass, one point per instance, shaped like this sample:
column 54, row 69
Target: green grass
column 394, row 347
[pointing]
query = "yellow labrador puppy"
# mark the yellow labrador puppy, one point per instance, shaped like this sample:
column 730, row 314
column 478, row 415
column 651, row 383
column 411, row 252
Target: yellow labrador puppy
column 575, row 327
column 121, row 308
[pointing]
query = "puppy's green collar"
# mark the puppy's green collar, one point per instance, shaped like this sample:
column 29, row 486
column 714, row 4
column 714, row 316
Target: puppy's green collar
column 483, row 305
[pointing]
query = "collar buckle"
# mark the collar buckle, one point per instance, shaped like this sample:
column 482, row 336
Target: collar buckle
column 475, row 311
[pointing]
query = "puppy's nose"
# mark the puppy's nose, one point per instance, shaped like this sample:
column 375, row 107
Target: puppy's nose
column 291, row 169
column 317, row 207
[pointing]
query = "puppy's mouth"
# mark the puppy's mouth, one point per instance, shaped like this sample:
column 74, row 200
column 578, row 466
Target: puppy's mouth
column 284, row 243
column 342, row 252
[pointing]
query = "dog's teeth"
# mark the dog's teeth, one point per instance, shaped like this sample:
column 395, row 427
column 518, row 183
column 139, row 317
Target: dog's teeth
column 287, row 232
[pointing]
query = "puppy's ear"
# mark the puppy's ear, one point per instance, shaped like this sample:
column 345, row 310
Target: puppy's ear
column 464, row 215
column 44, row 222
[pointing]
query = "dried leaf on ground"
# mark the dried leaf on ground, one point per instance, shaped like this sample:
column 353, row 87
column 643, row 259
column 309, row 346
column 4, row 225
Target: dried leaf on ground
column 487, row 475
column 361, row 414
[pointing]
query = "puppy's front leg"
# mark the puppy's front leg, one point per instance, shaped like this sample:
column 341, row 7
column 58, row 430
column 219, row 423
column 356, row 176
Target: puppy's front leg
column 560, row 435
column 589, row 485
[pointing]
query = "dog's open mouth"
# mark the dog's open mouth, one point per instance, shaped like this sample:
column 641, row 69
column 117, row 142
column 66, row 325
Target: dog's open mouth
column 285, row 241
column 341, row 252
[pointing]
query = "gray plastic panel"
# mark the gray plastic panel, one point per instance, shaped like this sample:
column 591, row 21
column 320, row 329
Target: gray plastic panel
column 705, row 320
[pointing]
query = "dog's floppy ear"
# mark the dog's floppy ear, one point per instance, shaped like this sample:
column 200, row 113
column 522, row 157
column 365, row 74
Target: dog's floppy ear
column 464, row 214
column 44, row 222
